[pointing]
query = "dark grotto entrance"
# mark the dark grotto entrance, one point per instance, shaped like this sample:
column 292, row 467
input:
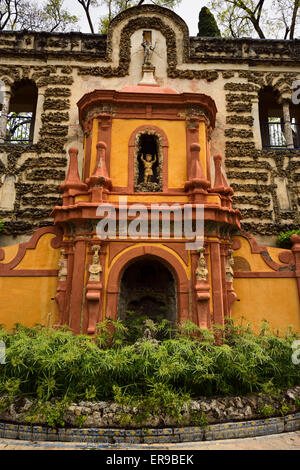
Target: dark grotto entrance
column 148, row 288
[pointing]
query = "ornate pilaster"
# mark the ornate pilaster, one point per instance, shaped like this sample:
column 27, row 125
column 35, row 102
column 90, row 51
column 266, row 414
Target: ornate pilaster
column 61, row 291
column 93, row 290
column 231, row 295
column 202, row 290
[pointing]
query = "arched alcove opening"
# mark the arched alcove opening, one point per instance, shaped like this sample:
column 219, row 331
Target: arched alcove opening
column 148, row 162
column 271, row 118
column 22, row 111
column 148, row 288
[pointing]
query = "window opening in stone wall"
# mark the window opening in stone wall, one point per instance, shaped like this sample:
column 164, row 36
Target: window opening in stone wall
column 147, row 36
column 21, row 115
column 271, row 119
column 279, row 121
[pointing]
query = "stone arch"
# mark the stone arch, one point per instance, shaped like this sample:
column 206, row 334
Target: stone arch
column 22, row 109
column 132, row 154
column 270, row 109
column 171, row 26
column 167, row 259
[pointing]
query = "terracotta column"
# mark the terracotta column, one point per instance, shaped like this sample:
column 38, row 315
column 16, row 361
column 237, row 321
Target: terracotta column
column 61, row 293
column 77, row 286
column 217, row 285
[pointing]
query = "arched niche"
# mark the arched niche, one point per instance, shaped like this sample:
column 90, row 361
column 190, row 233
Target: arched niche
column 167, row 259
column 144, row 140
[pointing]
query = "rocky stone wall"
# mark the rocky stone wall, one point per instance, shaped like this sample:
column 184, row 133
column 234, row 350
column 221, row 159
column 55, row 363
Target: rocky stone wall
column 65, row 66
column 38, row 168
column 201, row 412
column 267, row 206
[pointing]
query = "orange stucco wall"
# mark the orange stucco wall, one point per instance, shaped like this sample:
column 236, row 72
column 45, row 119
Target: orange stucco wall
column 30, row 300
column 176, row 134
column 274, row 300
column 26, row 299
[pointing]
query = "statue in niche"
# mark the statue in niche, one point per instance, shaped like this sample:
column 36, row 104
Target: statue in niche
column 148, row 50
column 148, row 164
column 201, row 271
column 229, row 267
column 62, row 266
column 95, row 268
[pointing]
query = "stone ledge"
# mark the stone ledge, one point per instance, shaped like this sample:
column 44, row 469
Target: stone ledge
column 243, row 429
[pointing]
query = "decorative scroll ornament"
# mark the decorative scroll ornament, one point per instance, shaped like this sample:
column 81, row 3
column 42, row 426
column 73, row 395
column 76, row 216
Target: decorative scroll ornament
column 229, row 267
column 95, row 268
column 62, row 266
column 201, row 271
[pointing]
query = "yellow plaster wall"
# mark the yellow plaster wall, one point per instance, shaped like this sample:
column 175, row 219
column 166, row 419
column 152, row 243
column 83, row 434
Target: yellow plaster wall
column 30, row 300
column 202, row 142
column 9, row 253
column 255, row 261
column 42, row 257
column 274, row 300
column 27, row 300
column 176, row 134
column 94, row 146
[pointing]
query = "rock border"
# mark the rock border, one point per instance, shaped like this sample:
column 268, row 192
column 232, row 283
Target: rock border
column 242, row 429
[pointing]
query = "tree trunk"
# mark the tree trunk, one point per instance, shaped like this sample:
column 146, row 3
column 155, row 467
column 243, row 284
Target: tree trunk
column 293, row 23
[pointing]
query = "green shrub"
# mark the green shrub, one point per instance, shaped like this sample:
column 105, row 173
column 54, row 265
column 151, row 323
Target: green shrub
column 1, row 225
column 284, row 239
column 207, row 26
column 49, row 364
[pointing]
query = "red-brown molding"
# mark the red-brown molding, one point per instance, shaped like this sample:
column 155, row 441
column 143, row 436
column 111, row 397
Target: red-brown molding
column 264, row 274
column 166, row 258
column 76, row 301
column 286, row 257
column 119, row 99
column 7, row 269
column 264, row 253
column 87, row 210
column 117, row 247
column 217, row 282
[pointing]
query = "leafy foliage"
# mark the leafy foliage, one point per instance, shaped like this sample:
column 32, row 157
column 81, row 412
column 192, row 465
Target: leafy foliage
column 207, row 25
column 284, row 239
column 260, row 18
column 114, row 7
column 35, row 15
column 50, row 364
column 1, row 225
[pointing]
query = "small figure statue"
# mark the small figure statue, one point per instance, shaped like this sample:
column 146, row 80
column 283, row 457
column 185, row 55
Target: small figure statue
column 148, row 49
column 63, row 266
column 95, row 268
column 148, row 164
column 229, row 267
column 201, row 271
